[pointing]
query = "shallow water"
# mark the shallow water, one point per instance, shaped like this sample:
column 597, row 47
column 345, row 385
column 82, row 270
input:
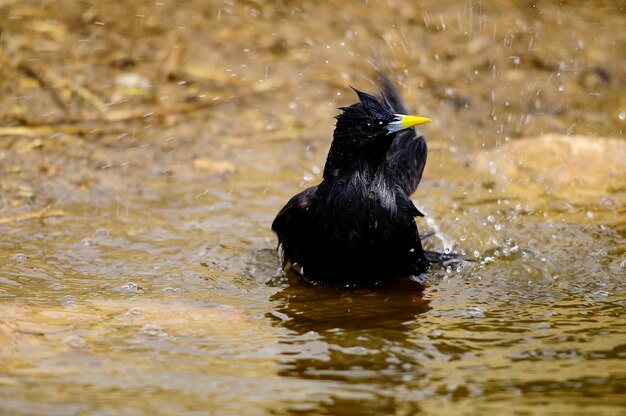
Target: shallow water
column 157, row 290
column 169, row 307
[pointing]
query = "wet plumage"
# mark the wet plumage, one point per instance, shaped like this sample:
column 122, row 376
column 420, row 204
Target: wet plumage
column 358, row 225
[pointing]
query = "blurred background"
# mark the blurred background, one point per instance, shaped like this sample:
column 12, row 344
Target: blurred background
column 145, row 147
column 83, row 82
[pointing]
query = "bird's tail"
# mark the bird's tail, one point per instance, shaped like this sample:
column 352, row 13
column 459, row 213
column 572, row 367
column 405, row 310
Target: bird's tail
column 391, row 94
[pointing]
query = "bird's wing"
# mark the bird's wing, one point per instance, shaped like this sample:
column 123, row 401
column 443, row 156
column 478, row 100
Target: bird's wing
column 292, row 226
column 408, row 157
column 408, row 152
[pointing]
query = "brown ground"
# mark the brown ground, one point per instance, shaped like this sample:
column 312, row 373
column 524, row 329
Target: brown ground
column 98, row 97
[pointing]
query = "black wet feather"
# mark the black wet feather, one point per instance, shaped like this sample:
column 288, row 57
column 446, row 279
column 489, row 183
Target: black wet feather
column 358, row 225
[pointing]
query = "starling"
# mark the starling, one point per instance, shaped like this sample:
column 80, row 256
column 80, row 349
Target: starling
column 357, row 227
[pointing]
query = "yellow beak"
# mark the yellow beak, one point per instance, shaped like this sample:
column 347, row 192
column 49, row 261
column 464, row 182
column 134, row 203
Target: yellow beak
column 402, row 122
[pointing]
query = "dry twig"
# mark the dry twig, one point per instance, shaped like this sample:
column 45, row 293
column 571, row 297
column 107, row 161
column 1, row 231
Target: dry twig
column 37, row 215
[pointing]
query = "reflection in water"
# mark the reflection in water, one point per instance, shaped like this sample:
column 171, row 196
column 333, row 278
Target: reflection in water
column 391, row 304
column 350, row 336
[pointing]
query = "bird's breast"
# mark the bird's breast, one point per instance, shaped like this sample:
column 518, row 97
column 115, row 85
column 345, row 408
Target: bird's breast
column 365, row 204
column 377, row 191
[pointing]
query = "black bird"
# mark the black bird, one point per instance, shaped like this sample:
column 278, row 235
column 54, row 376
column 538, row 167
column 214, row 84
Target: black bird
column 358, row 225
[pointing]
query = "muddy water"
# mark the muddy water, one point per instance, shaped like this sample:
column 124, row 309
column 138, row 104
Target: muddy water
column 177, row 306
column 156, row 288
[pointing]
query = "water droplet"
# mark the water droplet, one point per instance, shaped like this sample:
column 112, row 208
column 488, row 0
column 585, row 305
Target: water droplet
column 20, row 257
column 497, row 226
column 130, row 287
column 491, row 219
column 88, row 242
column 68, row 300
column 476, row 312
column 75, row 341
column 561, row 88
column 153, row 330
column 622, row 115
column 171, row 290
column 476, row 254
column 589, row 214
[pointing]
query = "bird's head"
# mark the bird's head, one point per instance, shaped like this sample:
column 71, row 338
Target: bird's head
column 365, row 130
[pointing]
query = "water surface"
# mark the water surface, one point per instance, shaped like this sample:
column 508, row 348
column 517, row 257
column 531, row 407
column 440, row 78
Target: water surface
column 156, row 288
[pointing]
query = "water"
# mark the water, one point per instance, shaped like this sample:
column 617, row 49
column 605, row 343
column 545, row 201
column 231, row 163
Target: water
column 157, row 290
column 167, row 307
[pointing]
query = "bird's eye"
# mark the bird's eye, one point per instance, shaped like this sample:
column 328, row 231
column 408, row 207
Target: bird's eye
column 370, row 125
